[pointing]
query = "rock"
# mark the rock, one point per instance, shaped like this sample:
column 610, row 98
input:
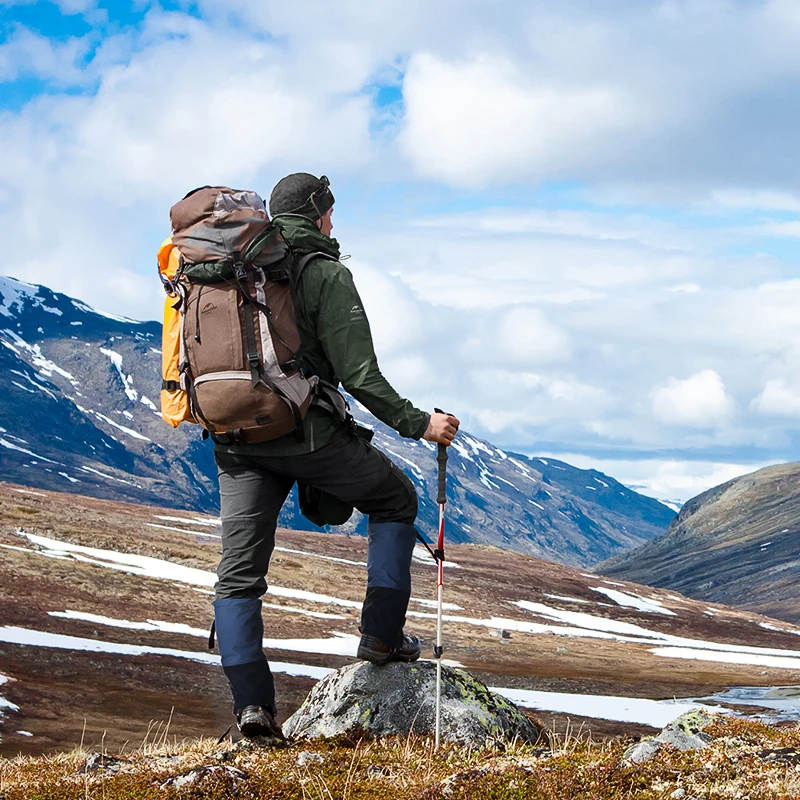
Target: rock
column 678, row 794
column 305, row 758
column 685, row 733
column 374, row 771
column 97, row 762
column 196, row 776
column 784, row 755
column 642, row 751
column 396, row 699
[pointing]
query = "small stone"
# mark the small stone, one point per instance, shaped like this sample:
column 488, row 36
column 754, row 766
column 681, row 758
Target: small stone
column 306, row 757
column 643, row 751
column 562, row 650
column 97, row 762
column 374, row 771
column 194, row 777
column 678, row 794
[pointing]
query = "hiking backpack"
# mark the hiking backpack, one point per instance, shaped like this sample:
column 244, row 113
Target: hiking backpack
column 230, row 345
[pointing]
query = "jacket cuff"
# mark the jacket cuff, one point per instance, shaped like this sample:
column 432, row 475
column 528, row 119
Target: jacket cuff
column 420, row 432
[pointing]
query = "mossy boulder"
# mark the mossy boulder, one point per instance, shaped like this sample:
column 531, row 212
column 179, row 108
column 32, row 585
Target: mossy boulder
column 397, row 699
column 685, row 733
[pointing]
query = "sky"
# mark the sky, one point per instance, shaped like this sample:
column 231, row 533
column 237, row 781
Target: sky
column 573, row 225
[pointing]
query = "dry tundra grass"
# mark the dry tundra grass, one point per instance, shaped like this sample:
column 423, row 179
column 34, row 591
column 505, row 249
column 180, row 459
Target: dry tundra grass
column 746, row 760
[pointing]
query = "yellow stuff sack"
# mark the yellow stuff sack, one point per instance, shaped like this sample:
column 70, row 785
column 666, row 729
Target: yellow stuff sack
column 175, row 406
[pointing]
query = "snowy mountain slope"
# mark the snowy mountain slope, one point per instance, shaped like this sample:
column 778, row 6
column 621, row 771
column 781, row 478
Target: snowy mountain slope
column 78, row 412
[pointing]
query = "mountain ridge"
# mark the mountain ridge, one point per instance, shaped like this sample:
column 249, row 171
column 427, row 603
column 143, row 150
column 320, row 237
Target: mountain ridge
column 733, row 544
column 78, row 411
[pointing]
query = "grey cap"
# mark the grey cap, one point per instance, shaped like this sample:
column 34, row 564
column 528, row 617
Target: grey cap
column 301, row 193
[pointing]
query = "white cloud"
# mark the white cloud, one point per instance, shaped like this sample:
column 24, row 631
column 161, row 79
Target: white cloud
column 28, row 54
column 755, row 199
column 533, row 322
column 94, row 176
column 670, row 480
column 469, row 122
column 699, row 401
column 779, row 399
column 527, row 337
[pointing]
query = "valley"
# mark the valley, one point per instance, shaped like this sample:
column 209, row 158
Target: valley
column 105, row 611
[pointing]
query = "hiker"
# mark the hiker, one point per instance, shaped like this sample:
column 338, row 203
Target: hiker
column 332, row 461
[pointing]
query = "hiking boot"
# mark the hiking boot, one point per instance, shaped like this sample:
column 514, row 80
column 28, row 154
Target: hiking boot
column 371, row 648
column 257, row 721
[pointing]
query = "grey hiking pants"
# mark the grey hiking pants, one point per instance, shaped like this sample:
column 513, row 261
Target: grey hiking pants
column 252, row 492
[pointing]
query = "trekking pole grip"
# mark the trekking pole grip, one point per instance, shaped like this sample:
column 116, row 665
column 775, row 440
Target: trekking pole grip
column 441, row 458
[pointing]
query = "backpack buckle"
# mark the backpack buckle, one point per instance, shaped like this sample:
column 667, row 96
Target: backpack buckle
column 238, row 266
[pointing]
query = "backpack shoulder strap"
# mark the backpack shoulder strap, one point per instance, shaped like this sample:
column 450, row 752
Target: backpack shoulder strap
column 301, row 263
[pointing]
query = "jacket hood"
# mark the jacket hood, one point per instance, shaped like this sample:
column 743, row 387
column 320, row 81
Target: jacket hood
column 303, row 236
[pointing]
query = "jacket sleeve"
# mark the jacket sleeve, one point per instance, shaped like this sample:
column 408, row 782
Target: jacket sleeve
column 345, row 336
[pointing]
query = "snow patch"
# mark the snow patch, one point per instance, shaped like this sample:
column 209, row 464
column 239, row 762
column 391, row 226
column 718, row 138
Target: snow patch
column 89, row 310
column 634, row 601
column 567, row 599
column 128, row 431
column 214, row 522
column 127, row 380
column 340, row 644
column 656, row 713
column 422, row 555
column 108, row 477
column 33, row 638
column 9, row 446
column 755, row 659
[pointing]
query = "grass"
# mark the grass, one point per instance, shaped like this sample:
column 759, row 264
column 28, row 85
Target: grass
column 736, row 765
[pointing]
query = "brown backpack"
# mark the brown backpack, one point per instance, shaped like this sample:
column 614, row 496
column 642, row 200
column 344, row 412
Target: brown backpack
column 238, row 350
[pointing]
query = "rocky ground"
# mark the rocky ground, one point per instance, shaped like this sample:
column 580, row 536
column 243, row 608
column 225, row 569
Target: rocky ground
column 727, row 759
column 65, row 696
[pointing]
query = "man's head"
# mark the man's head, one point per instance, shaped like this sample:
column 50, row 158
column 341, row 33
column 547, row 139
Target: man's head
column 303, row 194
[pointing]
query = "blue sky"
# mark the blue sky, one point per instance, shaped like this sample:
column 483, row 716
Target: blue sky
column 574, row 224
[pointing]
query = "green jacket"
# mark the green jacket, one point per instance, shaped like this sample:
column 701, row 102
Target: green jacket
column 337, row 343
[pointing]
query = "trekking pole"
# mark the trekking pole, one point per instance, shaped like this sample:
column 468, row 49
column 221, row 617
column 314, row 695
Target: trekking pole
column 441, row 458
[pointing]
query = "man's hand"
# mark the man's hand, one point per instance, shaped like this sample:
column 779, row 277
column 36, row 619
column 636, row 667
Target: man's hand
column 441, row 429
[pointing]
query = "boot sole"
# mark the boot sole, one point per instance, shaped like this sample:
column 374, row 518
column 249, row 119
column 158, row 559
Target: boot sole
column 255, row 730
column 379, row 659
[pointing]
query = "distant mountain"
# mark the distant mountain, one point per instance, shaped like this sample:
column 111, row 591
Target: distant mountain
column 79, row 394
column 735, row 544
